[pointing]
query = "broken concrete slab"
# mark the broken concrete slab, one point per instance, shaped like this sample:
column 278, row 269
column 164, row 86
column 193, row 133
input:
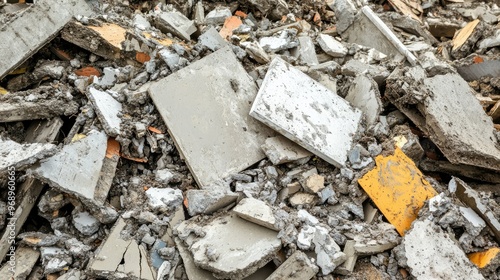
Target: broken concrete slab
column 256, row 211
column 398, row 189
column 50, row 17
column 305, row 52
column 164, row 199
column 356, row 67
column 19, row 264
column 228, row 257
column 209, row 201
column 488, row 68
column 345, row 12
column 463, row 132
column 105, row 40
column 297, row 267
column 107, row 109
column 280, row 149
column 331, row 46
column 212, row 147
column 217, row 16
column 120, row 258
column 192, row 270
column 306, row 112
column 212, row 40
column 176, row 23
column 76, row 168
column 431, row 254
column 472, row 199
column 348, row 266
column 15, row 156
column 364, row 95
column 369, row 30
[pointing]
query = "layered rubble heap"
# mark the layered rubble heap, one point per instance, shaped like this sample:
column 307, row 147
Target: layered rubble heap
column 259, row 139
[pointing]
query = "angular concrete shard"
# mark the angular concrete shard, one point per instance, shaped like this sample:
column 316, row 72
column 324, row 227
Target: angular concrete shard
column 14, row 156
column 445, row 108
column 297, row 267
column 76, row 168
column 119, row 258
column 431, row 254
column 398, row 189
column 364, row 95
column 280, row 150
column 223, row 254
column 369, row 30
column 306, row 112
column 209, row 200
column 176, row 23
column 35, row 27
column 107, row 109
column 256, row 211
column 205, row 107
column 24, row 260
column 193, row 272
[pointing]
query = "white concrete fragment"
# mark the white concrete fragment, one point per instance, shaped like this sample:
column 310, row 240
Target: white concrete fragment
column 107, row 109
column 297, row 267
column 306, row 112
column 176, row 23
column 281, row 41
column 217, row 16
column 109, row 77
column 226, row 256
column 76, row 168
column 280, row 150
column 167, row 198
column 256, row 211
column 364, row 95
column 306, row 51
column 39, row 24
column 15, row 156
column 212, row 39
column 331, row 46
column 211, row 127
column 85, row 223
column 431, row 254
column 209, row 200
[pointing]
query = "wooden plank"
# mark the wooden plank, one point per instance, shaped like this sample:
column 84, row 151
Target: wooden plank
column 464, row 34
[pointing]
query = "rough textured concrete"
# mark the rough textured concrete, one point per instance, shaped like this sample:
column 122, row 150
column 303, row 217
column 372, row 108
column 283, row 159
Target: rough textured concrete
column 206, row 111
column 256, row 211
column 120, row 258
column 444, row 107
column 176, row 23
column 364, row 95
column 193, row 272
column 49, row 17
column 107, row 109
column 331, row 46
column 223, row 254
column 490, row 68
column 431, row 254
column 208, row 201
column 369, row 30
column 25, row 259
column 18, row 156
column 76, row 168
column 212, row 39
column 345, row 12
column 280, row 150
column 306, row 112
column 297, row 267
column 306, row 52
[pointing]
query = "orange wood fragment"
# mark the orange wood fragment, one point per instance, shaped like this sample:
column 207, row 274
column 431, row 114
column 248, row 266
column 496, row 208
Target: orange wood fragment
column 113, row 148
column 88, row 71
column 482, row 259
column 154, row 130
column 142, row 57
column 142, row 160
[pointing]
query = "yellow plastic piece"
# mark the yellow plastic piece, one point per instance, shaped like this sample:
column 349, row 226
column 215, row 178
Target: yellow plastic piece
column 3, row 91
column 398, row 188
column 482, row 259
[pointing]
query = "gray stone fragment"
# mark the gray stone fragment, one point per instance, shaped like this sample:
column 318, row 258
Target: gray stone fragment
column 20, row 267
column 193, row 272
column 72, row 274
column 355, row 67
column 164, row 198
column 15, row 156
column 281, row 41
column 141, row 22
column 306, row 52
column 331, row 46
column 490, row 42
column 306, row 112
column 212, row 131
column 212, row 39
column 256, row 211
column 431, row 254
column 228, row 257
column 107, row 109
column 297, row 267
column 489, row 68
column 345, row 12
column 50, row 17
column 85, row 223
column 364, row 95
column 281, row 150
column 208, row 201
column 176, row 23
column 217, row 16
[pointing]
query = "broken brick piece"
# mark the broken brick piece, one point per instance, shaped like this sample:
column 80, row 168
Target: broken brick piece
column 113, row 148
column 88, row 71
column 142, row 57
column 398, row 188
column 230, row 24
column 484, row 258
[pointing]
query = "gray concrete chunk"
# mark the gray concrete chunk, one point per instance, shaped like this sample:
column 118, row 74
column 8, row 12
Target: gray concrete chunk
column 176, row 23
column 369, row 30
column 297, row 267
column 256, row 211
column 21, row 265
column 223, row 254
column 306, row 112
column 364, row 95
column 205, row 107
column 431, row 254
column 331, row 46
column 76, row 168
column 107, row 109
column 208, row 201
column 281, row 150
column 15, row 156
column 212, row 39
column 50, row 17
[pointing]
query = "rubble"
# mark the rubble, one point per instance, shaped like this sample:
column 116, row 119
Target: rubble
column 280, row 150
column 257, row 212
column 297, row 266
column 15, row 156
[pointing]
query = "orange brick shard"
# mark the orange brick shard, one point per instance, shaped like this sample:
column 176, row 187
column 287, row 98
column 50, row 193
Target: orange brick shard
column 398, row 188
column 482, row 259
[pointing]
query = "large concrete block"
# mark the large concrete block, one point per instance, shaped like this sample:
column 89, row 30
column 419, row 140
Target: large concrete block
column 34, row 28
column 205, row 107
column 220, row 251
column 431, row 254
column 445, row 108
column 306, row 112
column 15, row 155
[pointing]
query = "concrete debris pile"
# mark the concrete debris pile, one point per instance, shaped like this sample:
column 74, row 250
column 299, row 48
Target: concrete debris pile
column 260, row 139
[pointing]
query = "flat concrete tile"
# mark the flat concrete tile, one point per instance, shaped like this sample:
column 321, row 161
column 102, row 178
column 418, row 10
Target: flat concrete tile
column 306, row 112
column 205, row 107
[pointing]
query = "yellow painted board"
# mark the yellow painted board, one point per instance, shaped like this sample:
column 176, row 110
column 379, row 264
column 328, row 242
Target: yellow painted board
column 482, row 259
column 398, row 188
